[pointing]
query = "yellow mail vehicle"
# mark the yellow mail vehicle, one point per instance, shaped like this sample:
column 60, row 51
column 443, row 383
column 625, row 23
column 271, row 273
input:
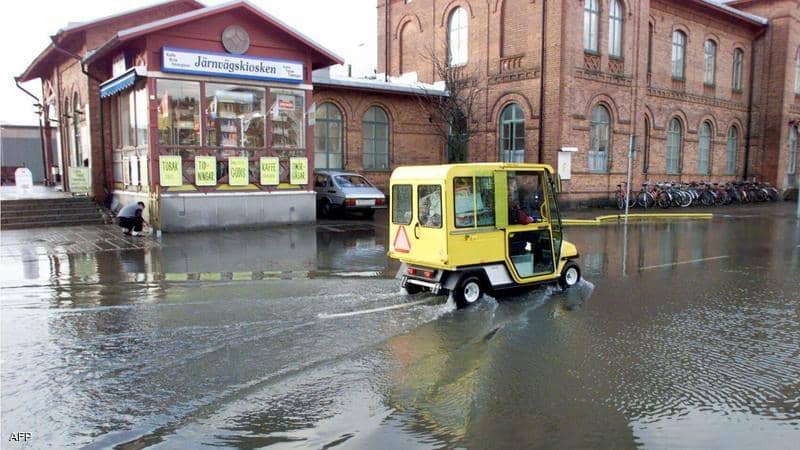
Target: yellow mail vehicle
column 468, row 229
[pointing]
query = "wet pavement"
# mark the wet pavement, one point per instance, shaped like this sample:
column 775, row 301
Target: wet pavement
column 683, row 334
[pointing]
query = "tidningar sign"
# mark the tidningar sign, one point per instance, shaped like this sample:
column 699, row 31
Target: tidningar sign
column 178, row 60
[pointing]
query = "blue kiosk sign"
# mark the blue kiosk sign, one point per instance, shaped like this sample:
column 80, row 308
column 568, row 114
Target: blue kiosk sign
column 195, row 62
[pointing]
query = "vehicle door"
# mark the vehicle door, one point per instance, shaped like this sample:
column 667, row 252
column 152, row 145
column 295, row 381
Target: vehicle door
column 529, row 234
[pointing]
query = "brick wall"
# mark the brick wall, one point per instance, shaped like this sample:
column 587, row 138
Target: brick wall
column 505, row 50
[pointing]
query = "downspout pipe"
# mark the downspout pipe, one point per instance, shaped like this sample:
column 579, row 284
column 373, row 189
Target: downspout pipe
column 750, row 103
column 541, row 84
column 100, row 103
column 39, row 105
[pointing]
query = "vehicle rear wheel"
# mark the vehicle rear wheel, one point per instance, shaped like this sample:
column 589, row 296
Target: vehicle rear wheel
column 325, row 208
column 468, row 290
column 412, row 289
column 570, row 276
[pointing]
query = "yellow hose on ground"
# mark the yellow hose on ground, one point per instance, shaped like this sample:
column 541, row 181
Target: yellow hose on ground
column 600, row 220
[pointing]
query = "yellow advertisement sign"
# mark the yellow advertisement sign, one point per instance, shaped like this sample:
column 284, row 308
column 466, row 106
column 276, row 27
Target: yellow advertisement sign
column 205, row 170
column 80, row 180
column 171, row 170
column 270, row 171
column 298, row 171
column 238, row 171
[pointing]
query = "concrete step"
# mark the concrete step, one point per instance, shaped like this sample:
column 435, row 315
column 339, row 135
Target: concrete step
column 23, row 225
column 34, row 213
column 69, row 216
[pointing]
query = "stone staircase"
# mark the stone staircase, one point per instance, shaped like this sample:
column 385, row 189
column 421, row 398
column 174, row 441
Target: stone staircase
column 56, row 212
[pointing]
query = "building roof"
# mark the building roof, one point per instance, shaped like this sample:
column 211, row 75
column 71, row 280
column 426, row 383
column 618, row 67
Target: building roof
column 323, row 56
column 725, row 9
column 321, row 79
column 36, row 68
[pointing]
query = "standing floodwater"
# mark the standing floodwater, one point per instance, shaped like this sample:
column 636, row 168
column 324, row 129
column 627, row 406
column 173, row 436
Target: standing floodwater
column 688, row 336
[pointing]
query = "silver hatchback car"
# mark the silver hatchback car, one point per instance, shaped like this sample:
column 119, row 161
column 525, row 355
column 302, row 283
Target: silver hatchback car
column 339, row 191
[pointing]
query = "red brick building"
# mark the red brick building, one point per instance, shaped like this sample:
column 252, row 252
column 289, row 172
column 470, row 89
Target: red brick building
column 708, row 90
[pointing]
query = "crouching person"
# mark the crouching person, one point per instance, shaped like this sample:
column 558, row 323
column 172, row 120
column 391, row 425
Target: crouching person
column 130, row 218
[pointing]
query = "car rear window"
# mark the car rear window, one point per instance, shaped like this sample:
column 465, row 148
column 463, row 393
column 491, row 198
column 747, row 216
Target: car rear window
column 352, row 181
column 401, row 204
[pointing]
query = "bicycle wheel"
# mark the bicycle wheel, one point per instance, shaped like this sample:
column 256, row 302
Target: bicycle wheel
column 663, row 200
column 706, row 198
column 645, row 200
column 684, row 199
column 620, row 200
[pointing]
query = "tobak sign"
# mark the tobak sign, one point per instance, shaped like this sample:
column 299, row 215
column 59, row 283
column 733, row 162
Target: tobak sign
column 170, row 169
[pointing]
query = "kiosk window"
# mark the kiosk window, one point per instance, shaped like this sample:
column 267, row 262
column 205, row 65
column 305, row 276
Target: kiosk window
column 235, row 116
column 430, row 206
column 401, row 204
column 473, row 201
column 178, row 112
column 287, row 113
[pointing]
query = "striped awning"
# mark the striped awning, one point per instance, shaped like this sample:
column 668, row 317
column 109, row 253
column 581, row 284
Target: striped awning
column 119, row 83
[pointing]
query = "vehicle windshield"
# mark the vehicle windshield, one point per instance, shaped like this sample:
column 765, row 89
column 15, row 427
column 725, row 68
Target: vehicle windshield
column 352, row 181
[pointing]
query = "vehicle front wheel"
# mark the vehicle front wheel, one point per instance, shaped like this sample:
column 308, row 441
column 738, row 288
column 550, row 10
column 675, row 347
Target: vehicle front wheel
column 570, row 276
column 468, row 290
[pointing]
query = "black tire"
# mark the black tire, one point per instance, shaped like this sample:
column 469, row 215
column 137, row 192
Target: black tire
column 325, row 209
column 468, row 290
column 570, row 275
column 369, row 214
column 412, row 289
column 663, row 200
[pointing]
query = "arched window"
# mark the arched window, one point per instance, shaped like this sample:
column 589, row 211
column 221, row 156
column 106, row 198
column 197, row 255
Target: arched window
column 704, row 149
column 791, row 168
column 512, row 134
column 709, row 62
column 457, row 37
column 66, row 133
column 646, row 146
column 674, row 142
column 733, row 146
column 328, row 136
column 600, row 139
column 678, row 54
column 591, row 16
column 376, row 139
column 797, row 73
column 615, row 29
column 738, row 57
column 77, row 116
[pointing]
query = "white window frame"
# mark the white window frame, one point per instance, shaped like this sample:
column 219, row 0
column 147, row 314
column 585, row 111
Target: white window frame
column 733, row 146
column 791, row 167
column 615, row 24
column 599, row 133
column 674, row 144
column 709, row 62
column 704, row 144
column 457, row 38
column 679, row 39
column 591, row 22
column 738, row 60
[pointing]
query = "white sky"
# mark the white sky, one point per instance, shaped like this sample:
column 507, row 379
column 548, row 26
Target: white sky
column 346, row 27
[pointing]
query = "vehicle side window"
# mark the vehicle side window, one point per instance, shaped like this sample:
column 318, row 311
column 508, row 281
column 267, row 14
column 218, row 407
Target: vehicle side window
column 525, row 197
column 320, row 181
column 473, row 201
column 429, row 210
column 401, row 204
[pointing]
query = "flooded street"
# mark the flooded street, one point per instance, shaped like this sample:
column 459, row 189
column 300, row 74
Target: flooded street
column 687, row 334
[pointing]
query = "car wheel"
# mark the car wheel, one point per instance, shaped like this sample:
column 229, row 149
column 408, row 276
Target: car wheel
column 325, row 208
column 570, row 276
column 468, row 290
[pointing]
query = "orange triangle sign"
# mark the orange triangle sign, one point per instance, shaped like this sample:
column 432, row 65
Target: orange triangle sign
column 401, row 243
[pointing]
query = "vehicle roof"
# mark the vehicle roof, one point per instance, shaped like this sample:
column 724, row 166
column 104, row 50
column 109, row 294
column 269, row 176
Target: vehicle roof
column 442, row 171
column 335, row 172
